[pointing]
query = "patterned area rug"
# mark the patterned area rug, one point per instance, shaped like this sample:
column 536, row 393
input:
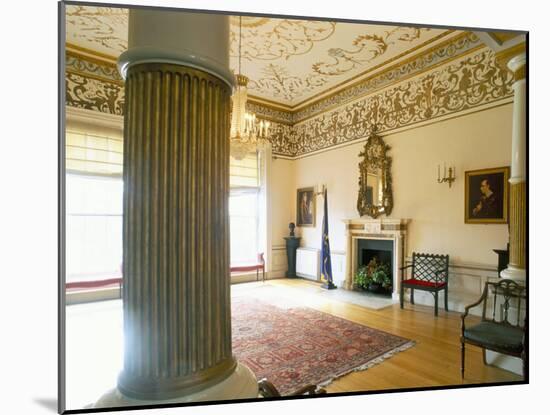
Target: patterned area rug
column 297, row 346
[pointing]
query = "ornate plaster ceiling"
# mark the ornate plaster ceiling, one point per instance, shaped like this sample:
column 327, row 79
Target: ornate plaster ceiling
column 100, row 29
column 287, row 61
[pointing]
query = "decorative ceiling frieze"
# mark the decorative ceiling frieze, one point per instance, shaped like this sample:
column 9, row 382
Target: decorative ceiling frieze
column 473, row 81
column 288, row 61
column 83, row 91
column 469, row 81
column 82, row 65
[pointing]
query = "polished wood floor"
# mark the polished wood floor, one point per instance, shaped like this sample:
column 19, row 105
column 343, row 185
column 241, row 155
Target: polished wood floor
column 433, row 361
column 94, row 343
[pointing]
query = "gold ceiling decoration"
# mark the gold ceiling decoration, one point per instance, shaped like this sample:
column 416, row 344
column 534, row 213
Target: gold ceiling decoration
column 104, row 29
column 365, row 48
column 289, row 61
column 281, row 84
column 281, row 40
column 292, row 61
column 248, row 21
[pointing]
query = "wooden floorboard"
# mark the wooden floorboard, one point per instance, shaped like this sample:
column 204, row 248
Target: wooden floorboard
column 433, row 361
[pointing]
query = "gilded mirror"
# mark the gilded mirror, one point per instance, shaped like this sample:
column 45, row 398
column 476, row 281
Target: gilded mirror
column 375, row 182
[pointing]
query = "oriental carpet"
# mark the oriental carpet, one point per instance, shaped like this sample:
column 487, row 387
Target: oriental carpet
column 296, row 346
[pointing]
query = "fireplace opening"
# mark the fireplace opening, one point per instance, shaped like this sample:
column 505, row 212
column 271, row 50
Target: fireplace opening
column 381, row 256
column 382, row 250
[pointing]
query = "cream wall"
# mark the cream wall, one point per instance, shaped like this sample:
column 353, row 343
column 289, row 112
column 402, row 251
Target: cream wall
column 281, row 202
column 473, row 141
column 282, row 198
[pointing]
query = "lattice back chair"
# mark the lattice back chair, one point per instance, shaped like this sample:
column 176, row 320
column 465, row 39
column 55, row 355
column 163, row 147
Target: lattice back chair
column 500, row 329
column 429, row 272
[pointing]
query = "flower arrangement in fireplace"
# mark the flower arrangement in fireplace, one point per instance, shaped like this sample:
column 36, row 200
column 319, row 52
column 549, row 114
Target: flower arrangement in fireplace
column 375, row 276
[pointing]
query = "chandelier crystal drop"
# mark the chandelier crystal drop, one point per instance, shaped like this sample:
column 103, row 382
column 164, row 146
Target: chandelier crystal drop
column 247, row 132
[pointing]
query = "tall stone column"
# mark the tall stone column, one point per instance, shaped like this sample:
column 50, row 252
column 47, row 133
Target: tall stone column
column 518, row 203
column 176, row 296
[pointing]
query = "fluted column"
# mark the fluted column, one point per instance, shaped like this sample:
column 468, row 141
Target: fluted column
column 176, row 240
column 176, row 296
column 518, row 207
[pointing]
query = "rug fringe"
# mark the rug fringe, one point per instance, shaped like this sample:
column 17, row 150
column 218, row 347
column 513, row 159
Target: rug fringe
column 371, row 363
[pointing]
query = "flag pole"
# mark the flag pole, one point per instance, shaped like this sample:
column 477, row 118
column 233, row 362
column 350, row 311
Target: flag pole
column 326, row 265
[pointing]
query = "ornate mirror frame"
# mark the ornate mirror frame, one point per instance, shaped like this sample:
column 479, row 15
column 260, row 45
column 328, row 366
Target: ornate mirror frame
column 374, row 158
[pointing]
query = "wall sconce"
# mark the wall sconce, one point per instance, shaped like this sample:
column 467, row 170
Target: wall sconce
column 449, row 176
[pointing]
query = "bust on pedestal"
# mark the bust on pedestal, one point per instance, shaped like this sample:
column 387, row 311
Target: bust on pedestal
column 292, row 243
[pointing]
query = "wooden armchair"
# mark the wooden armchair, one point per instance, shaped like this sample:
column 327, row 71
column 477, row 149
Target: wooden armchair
column 496, row 331
column 430, row 273
column 268, row 390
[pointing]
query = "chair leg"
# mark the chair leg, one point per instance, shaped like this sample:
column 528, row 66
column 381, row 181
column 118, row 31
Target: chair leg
column 402, row 295
column 463, row 353
column 257, row 275
column 412, row 295
column 446, row 298
column 436, row 308
column 263, row 274
column 485, row 356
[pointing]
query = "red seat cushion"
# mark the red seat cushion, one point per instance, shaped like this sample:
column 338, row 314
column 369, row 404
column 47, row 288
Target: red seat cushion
column 251, row 267
column 92, row 283
column 423, row 283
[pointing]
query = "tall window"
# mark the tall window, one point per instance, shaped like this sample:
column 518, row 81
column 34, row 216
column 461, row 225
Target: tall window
column 245, row 209
column 93, row 204
column 94, row 227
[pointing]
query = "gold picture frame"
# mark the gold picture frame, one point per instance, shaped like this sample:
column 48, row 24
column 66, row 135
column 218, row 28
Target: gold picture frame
column 486, row 197
column 305, row 207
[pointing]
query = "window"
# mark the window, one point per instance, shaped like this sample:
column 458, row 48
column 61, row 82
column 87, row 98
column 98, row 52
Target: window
column 246, row 208
column 243, row 214
column 94, row 205
column 94, row 227
column 93, row 202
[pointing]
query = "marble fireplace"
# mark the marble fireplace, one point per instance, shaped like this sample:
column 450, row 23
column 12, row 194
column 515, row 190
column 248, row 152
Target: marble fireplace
column 386, row 235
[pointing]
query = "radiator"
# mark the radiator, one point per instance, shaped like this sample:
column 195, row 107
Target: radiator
column 307, row 263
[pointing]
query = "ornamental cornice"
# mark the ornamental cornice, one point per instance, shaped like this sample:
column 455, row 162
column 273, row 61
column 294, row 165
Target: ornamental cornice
column 458, row 77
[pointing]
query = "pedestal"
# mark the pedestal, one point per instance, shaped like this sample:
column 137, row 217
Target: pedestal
column 292, row 244
column 503, row 259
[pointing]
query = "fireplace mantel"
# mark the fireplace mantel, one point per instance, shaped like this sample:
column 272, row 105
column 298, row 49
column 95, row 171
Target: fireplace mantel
column 382, row 228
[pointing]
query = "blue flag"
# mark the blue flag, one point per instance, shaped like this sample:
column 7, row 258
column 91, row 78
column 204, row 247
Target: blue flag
column 326, row 265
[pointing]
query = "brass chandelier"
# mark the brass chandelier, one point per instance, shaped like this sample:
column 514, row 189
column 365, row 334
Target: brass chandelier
column 246, row 131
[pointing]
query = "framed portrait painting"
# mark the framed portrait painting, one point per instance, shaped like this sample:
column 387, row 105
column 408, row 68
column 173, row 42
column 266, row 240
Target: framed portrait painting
column 486, row 198
column 305, row 207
